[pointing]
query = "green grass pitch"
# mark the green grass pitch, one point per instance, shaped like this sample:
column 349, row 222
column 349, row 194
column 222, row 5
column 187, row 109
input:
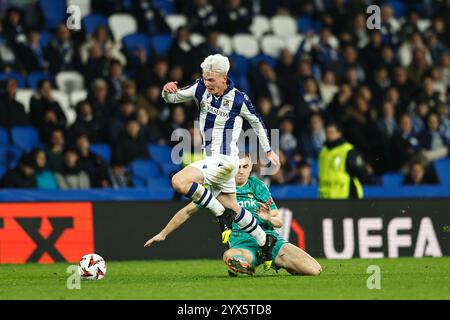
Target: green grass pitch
column 404, row 278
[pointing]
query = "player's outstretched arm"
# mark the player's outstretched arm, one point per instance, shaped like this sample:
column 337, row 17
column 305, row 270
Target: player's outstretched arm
column 171, row 94
column 177, row 220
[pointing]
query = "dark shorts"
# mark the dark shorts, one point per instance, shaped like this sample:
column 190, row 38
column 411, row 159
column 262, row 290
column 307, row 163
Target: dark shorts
column 242, row 240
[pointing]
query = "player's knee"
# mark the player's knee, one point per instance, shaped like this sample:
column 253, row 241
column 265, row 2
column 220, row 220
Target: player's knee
column 179, row 184
column 315, row 270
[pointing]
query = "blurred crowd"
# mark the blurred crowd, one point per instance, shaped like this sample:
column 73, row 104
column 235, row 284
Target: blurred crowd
column 389, row 89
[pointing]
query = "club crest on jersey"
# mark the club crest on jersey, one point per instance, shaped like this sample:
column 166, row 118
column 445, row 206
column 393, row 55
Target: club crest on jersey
column 250, row 195
column 226, row 103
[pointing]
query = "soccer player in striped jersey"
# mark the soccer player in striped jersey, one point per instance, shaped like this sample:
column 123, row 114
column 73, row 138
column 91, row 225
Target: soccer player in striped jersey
column 243, row 255
column 221, row 111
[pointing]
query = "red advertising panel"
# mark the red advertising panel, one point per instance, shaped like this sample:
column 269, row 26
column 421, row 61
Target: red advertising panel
column 45, row 232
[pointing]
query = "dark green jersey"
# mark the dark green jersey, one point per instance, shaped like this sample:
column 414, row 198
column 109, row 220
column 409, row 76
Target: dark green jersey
column 249, row 196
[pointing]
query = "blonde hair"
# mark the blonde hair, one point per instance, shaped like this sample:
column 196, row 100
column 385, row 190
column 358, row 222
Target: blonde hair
column 216, row 63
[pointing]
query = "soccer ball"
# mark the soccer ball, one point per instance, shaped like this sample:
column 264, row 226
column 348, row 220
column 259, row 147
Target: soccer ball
column 92, row 267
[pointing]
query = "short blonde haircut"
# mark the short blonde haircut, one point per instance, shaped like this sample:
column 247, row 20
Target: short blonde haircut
column 216, row 63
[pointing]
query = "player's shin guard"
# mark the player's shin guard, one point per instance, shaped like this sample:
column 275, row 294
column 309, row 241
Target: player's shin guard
column 203, row 197
column 247, row 222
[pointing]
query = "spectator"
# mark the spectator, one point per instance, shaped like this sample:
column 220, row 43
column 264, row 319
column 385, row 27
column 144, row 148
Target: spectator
column 182, row 51
column 360, row 129
column 432, row 140
column 61, row 52
column 102, row 40
column 328, row 87
column 210, row 46
column 9, row 62
column 267, row 113
column 12, row 112
column 115, row 79
column 150, row 18
column 405, row 144
column 119, row 175
column 288, row 172
column 341, row 102
column 312, row 101
column 387, row 124
column 100, row 100
column 32, row 54
column 419, row 115
column 150, row 101
column 325, row 52
column 313, row 138
column 87, row 123
column 70, row 175
column 13, row 27
column 45, row 112
column 92, row 163
column 45, row 178
column 265, row 83
column 23, row 176
column 443, row 112
column 54, row 151
column 288, row 141
column 130, row 146
column 96, row 65
column 127, row 111
column 234, row 18
column 418, row 175
column 406, row 88
column 305, row 175
column 202, row 17
column 150, row 130
column 177, row 120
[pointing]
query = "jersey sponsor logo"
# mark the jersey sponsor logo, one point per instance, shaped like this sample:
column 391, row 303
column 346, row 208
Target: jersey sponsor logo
column 45, row 232
column 247, row 203
column 218, row 112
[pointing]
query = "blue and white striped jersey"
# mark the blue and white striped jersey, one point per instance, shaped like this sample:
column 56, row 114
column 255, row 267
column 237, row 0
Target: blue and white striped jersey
column 220, row 118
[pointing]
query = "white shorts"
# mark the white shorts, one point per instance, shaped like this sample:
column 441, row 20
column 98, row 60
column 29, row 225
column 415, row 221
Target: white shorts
column 219, row 172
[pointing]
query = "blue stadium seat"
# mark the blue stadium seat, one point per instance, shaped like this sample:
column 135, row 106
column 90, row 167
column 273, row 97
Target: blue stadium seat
column 161, row 44
column 442, row 167
column 159, row 182
column 399, row 7
column 54, row 12
column 392, row 179
column 2, row 171
column 4, row 137
column 239, row 65
column 34, row 78
column 92, row 21
column 4, row 76
column 160, row 154
column 25, row 137
column 164, row 5
column 101, row 149
column 10, row 156
column 169, row 169
column 305, row 24
column 45, row 38
column 144, row 169
column 262, row 57
column 138, row 182
column 315, row 168
column 135, row 41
